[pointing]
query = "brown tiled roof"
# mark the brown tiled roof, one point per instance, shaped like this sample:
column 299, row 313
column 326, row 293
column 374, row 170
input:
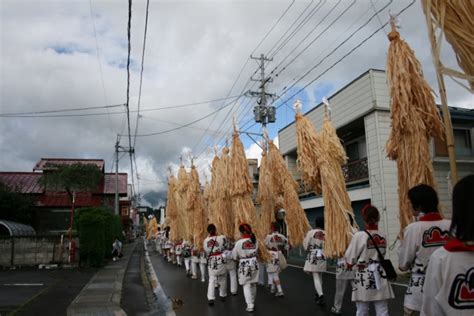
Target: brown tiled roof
column 23, row 182
column 109, row 183
column 44, row 162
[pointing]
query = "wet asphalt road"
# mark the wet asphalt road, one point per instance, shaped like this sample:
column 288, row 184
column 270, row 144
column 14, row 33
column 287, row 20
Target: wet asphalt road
column 40, row 292
column 298, row 300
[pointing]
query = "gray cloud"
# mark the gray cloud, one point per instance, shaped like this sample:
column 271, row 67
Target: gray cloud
column 195, row 50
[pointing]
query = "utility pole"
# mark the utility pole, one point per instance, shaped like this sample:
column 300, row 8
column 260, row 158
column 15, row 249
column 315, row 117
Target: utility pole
column 119, row 149
column 263, row 113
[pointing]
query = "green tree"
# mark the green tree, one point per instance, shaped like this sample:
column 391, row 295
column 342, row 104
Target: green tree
column 72, row 179
column 15, row 206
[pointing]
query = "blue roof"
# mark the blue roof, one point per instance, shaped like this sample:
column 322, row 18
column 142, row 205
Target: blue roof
column 17, row 229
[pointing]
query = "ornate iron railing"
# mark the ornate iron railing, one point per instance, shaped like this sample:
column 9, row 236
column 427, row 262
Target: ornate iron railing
column 353, row 171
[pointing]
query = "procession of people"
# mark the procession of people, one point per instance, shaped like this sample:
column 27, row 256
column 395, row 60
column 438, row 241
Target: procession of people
column 436, row 287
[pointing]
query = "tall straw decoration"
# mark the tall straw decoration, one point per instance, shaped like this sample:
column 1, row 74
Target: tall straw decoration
column 172, row 208
column 308, row 151
column 265, row 196
column 337, row 204
column 182, row 199
column 226, row 216
column 213, row 215
column 241, row 194
column 415, row 120
column 284, row 185
column 198, row 218
column 455, row 19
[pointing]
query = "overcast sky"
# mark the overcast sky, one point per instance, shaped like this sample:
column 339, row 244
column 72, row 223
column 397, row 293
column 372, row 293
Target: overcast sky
column 195, row 51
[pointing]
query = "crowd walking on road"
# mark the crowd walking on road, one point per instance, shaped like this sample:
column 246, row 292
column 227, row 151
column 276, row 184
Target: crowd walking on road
column 437, row 252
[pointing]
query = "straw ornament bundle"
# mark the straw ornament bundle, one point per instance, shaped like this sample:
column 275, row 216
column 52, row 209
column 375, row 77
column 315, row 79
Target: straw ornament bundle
column 415, row 119
column 214, row 192
column 265, row 196
column 225, row 215
column 172, row 208
column 182, row 200
column 198, row 220
column 455, row 19
column 284, row 185
column 337, row 204
column 308, row 152
column 241, row 194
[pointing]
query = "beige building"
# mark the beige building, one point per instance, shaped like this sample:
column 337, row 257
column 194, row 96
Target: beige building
column 360, row 112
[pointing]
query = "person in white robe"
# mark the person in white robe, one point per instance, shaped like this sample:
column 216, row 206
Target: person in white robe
column 231, row 266
column 277, row 244
column 315, row 262
column 245, row 251
column 344, row 277
column 449, row 281
column 420, row 239
column 370, row 284
column 214, row 246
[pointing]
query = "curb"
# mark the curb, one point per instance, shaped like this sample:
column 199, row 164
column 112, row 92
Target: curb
column 87, row 301
column 165, row 305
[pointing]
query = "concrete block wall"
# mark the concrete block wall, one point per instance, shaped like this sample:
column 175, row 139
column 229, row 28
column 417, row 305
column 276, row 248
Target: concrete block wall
column 31, row 251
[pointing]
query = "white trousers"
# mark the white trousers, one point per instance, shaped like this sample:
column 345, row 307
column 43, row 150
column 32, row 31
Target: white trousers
column 381, row 308
column 261, row 273
column 179, row 260
column 250, row 293
column 273, row 277
column 202, row 267
column 158, row 248
column 341, row 286
column 233, row 280
column 318, row 283
column 211, row 288
column 187, row 263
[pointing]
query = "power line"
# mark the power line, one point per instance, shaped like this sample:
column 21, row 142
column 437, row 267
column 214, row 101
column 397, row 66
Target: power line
column 317, row 37
column 243, row 67
column 141, row 72
column 339, row 60
column 187, row 124
column 299, row 27
column 130, row 149
column 25, row 114
column 289, row 28
column 63, row 110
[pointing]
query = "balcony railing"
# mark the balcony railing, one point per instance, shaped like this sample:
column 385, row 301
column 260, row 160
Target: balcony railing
column 356, row 170
column 353, row 171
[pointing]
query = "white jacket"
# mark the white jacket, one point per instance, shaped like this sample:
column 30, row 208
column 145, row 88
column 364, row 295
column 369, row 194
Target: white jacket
column 449, row 282
column 245, row 251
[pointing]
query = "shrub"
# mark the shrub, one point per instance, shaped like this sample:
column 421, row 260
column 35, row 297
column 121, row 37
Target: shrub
column 97, row 228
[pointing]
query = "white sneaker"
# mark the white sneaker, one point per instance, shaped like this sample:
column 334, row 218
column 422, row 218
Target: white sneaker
column 250, row 309
column 279, row 294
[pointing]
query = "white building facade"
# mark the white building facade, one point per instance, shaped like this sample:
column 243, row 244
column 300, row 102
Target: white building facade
column 360, row 112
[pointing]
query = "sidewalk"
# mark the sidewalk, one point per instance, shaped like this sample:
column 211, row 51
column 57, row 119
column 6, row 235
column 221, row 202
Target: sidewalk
column 102, row 295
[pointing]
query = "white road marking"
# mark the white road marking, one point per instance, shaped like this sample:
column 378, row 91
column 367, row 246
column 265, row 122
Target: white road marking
column 330, row 272
column 23, row 284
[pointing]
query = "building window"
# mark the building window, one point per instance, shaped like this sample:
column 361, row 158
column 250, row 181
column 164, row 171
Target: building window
column 352, row 151
column 462, row 144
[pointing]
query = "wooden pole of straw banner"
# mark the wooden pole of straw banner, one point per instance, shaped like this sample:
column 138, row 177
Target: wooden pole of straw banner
column 241, row 189
column 454, row 19
column 284, row 185
column 415, row 120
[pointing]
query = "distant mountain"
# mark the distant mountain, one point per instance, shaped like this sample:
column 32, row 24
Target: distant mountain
column 155, row 198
